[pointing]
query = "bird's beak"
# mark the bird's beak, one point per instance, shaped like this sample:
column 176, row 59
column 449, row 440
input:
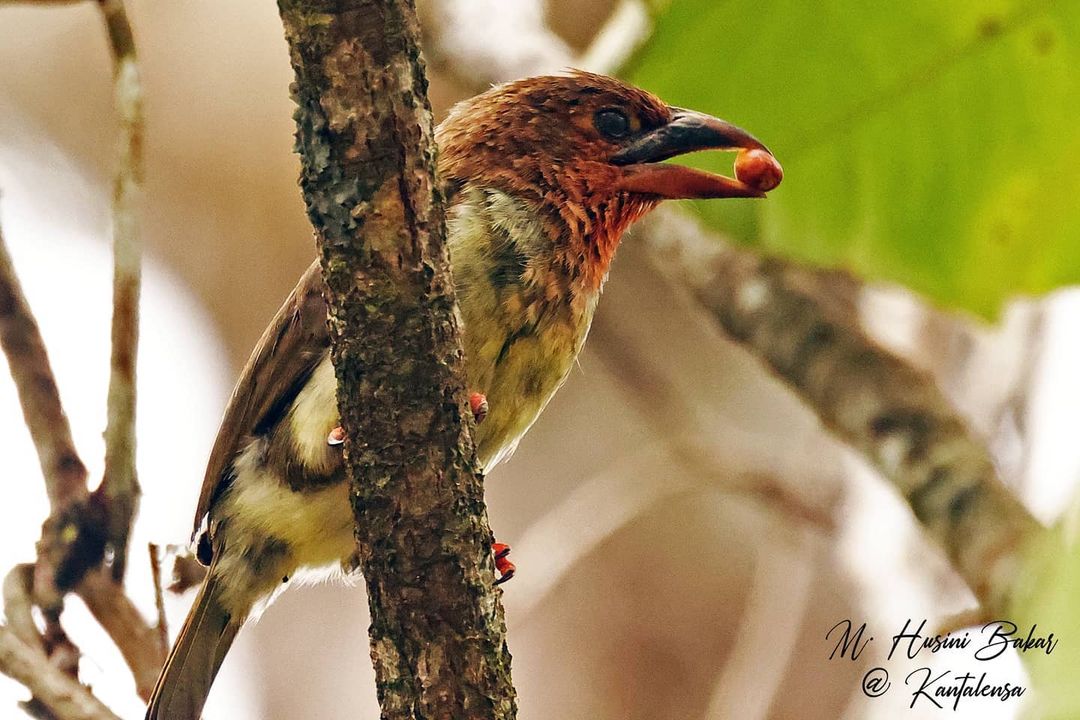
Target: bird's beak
column 686, row 132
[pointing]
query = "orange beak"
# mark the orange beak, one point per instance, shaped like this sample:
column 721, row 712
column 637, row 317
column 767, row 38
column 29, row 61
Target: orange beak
column 687, row 131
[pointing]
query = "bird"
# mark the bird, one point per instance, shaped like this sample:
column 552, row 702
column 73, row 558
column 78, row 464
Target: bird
column 541, row 178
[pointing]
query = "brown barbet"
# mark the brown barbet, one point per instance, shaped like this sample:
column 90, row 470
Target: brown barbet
column 542, row 177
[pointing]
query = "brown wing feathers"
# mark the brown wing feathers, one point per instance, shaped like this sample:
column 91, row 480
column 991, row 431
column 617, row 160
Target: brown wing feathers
column 284, row 358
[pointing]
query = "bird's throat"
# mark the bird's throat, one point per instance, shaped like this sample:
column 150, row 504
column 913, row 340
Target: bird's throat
column 593, row 233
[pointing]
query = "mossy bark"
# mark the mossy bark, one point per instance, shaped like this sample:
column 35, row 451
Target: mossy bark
column 365, row 136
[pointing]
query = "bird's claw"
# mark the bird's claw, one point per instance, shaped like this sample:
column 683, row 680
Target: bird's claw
column 336, row 436
column 506, row 569
column 479, row 405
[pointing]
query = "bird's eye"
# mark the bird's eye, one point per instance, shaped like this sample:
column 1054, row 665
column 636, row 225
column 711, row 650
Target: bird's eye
column 612, row 124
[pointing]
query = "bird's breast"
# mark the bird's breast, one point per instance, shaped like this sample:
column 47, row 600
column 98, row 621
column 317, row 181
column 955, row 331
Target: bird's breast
column 523, row 320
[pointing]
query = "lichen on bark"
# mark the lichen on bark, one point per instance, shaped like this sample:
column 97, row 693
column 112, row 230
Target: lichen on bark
column 365, row 136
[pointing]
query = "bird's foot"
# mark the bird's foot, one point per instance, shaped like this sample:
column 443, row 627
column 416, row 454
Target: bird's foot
column 479, row 405
column 336, row 436
column 502, row 562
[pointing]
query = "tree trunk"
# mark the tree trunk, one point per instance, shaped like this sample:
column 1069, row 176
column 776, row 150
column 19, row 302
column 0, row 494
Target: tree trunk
column 365, row 136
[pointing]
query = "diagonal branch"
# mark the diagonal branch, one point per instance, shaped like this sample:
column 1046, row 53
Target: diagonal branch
column 141, row 644
column 365, row 135
column 28, row 362
column 58, row 691
column 880, row 405
column 69, row 532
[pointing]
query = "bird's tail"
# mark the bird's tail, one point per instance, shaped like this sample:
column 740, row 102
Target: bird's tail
column 199, row 650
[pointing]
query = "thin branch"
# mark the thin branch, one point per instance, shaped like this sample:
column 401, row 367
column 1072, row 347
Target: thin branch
column 19, row 605
column 70, row 538
column 28, row 362
column 64, row 696
column 365, row 134
column 120, row 486
column 140, row 643
column 159, row 595
column 68, row 535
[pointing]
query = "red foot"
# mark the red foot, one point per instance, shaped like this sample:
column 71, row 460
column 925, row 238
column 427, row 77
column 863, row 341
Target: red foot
column 479, row 406
column 336, row 436
column 502, row 562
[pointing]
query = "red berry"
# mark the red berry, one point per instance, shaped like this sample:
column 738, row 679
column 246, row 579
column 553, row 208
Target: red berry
column 758, row 169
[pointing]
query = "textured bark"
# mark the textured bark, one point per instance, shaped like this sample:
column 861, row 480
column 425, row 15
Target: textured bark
column 365, row 135
column 890, row 412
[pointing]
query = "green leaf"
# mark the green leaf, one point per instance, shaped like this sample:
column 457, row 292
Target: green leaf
column 1049, row 583
column 934, row 144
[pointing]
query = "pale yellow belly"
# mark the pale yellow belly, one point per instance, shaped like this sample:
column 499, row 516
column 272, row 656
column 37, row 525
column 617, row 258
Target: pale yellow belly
column 271, row 531
column 517, row 389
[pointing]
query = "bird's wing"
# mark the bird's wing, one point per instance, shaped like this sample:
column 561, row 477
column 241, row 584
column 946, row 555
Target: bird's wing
column 286, row 355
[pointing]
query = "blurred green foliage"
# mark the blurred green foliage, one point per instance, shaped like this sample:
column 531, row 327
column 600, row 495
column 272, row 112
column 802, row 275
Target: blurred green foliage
column 1052, row 580
column 929, row 143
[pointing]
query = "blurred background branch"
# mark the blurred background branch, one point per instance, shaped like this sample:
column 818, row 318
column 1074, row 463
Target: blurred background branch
column 119, row 488
column 65, row 699
column 71, row 521
column 874, row 400
column 81, row 525
column 64, row 473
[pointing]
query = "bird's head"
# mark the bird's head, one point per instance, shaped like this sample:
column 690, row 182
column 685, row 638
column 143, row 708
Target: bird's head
column 586, row 152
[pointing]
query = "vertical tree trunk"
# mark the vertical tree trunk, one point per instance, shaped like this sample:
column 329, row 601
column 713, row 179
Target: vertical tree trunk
column 365, row 136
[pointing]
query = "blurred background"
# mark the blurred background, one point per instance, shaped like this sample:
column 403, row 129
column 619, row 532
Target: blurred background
column 685, row 531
